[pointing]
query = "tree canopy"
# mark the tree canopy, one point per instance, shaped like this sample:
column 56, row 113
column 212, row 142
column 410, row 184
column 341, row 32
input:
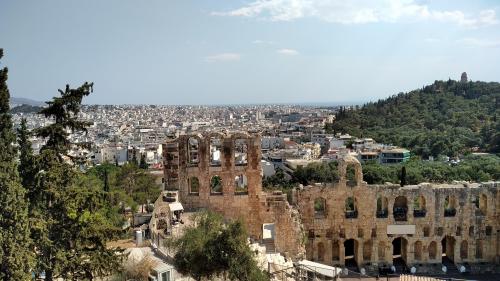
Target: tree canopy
column 70, row 221
column 445, row 118
column 16, row 258
column 212, row 248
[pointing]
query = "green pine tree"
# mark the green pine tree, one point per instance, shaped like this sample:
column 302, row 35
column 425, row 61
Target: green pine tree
column 15, row 253
column 27, row 167
column 71, row 227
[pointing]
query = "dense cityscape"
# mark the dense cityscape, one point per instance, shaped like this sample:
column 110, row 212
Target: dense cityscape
column 259, row 140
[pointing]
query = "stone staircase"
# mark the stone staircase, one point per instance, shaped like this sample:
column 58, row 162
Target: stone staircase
column 352, row 266
column 400, row 265
column 451, row 268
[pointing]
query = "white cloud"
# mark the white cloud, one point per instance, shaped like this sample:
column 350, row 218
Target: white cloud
column 358, row 12
column 224, row 57
column 288, row 52
column 483, row 43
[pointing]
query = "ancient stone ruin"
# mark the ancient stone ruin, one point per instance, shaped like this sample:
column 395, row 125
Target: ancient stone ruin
column 348, row 223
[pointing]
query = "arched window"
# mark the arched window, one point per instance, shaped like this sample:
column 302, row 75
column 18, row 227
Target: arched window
column 240, row 152
column 193, row 151
column 418, row 250
column 479, row 249
column 427, row 231
column 464, row 250
column 335, row 251
column 400, row 208
column 216, row 185
column 381, row 250
column 432, row 250
column 194, row 186
column 321, row 252
column 351, row 176
column 319, row 208
column 471, row 231
column 382, row 210
column 419, row 210
column 489, row 230
column 367, row 250
column 449, row 206
column 241, row 184
column 351, row 210
column 482, row 205
column 215, row 152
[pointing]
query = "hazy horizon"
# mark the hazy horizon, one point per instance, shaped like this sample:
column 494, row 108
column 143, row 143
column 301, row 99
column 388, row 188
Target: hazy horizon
column 245, row 52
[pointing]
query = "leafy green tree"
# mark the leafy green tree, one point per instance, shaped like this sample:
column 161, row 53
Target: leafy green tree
column 137, row 183
column 212, row 248
column 15, row 254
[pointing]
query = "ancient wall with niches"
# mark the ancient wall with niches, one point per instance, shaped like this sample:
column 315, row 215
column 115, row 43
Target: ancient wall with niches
column 470, row 227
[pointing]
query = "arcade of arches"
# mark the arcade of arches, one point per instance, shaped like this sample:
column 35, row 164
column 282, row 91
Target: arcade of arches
column 366, row 225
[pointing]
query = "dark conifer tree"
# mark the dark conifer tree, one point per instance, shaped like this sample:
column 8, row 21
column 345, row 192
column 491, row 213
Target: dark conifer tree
column 403, row 176
column 71, row 229
column 15, row 252
column 26, row 168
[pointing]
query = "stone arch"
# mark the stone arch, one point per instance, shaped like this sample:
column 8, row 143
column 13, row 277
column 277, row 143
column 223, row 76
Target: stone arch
column 215, row 149
column 216, row 185
column 241, row 152
column 488, row 230
column 241, row 184
column 471, row 231
column 352, row 164
column 319, row 207
column 351, row 252
column 382, row 207
column 433, row 250
column 464, row 250
column 479, row 249
column 427, row 231
column 448, row 247
column 381, row 250
column 194, row 186
column 193, row 151
column 418, row 250
column 240, row 135
column 450, row 206
column 400, row 208
column 367, row 250
column 335, row 250
column 399, row 249
column 351, row 208
column 321, row 251
column 419, row 208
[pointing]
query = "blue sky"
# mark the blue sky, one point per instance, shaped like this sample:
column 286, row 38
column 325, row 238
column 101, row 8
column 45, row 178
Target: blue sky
column 256, row 51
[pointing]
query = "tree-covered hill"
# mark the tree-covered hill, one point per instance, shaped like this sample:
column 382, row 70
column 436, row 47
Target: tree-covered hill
column 445, row 118
column 25, row 108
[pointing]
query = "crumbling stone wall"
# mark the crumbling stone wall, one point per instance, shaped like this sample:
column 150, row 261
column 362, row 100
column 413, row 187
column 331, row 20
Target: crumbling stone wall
column 250, row 204
column 470, row 231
